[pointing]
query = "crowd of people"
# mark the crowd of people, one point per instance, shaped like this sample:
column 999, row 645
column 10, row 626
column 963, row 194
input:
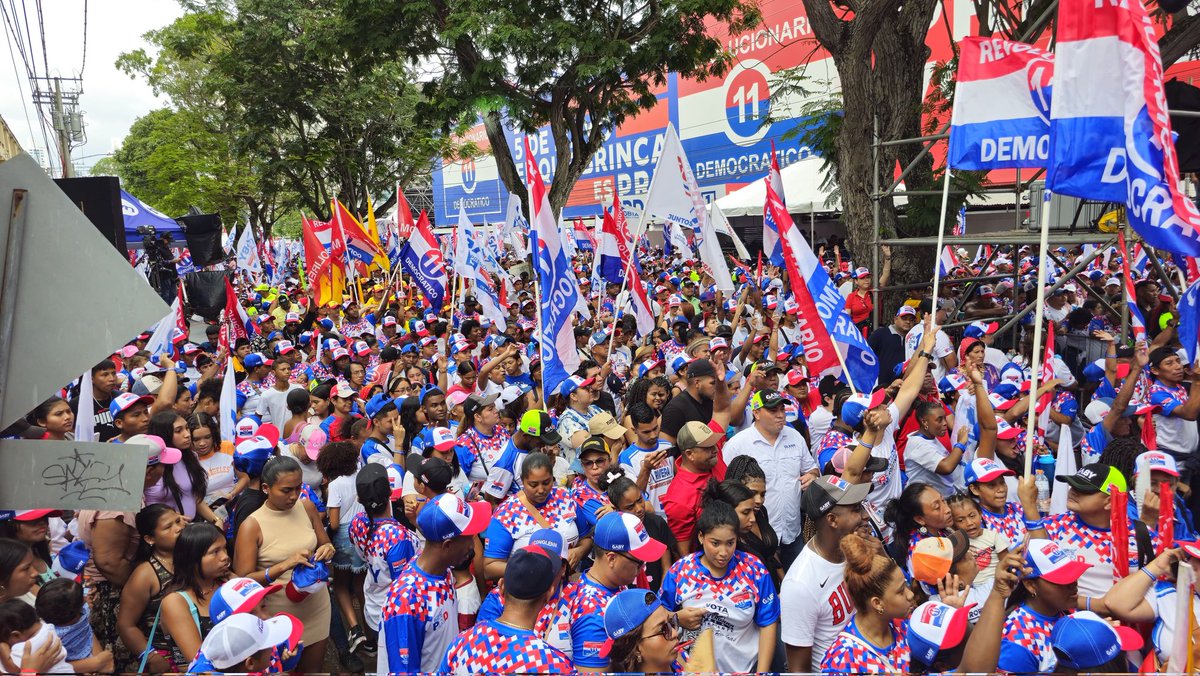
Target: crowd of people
column 401, row 492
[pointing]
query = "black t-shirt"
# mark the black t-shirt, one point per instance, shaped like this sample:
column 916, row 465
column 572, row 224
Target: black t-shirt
column 657, row 528
column 889, row 350
column 105, row 429
column 684, row 409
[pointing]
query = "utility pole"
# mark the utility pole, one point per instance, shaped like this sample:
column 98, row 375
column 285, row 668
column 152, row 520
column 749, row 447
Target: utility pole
column 64, row 114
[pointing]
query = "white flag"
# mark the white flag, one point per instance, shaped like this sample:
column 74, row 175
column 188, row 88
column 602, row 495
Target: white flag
column 463, row 263
column 164, row 331
column 673, row 195
column 85, row 419
column 713, row 257
column 247, row 252
column 516, row 228
column 722, row 225
column 1064, row 465
column 228, row 402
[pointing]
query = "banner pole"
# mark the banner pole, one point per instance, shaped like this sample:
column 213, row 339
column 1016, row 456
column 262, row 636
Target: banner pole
column 941, row 242
column 1036, row 357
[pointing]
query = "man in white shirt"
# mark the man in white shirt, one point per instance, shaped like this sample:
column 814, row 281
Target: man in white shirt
column 272, row 401
column 813, row 603
column 786, row 460
column 944, row 357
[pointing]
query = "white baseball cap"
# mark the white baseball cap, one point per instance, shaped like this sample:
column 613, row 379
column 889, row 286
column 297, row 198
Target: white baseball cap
column 236, row 639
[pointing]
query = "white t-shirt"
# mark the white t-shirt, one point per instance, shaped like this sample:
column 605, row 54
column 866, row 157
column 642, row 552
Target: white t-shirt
column 813, row 606
column 942, row 348
column 921, row 458
column 272, row 405
column 344, row 496
column 44, row 634
column 886, row 485
column 818, row 424
column 221, row 477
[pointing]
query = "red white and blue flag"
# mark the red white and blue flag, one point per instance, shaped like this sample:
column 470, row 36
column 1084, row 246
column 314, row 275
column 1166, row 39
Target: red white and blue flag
column 1001, row 116
column 947, row 261
column 771, row 244
column 360, row 246
column 1189, row 320
column 817, row 297
column 1137, row 323
column 421, row 258
column 618, row 262
column 1110, row 132
column 559, row 291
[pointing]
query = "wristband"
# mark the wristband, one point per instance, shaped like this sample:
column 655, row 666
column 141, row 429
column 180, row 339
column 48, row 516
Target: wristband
column 1087, row 604
column 961, row 446
column 267, row 574
column 866, row 445
column 1033, row 525
column 1152, row 576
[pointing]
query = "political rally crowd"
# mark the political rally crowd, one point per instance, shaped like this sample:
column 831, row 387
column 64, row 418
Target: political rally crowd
column 401, row 482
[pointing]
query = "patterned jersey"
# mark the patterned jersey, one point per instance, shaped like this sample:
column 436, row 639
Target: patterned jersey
column 512, row 524
column 660, row 477
column 1025, row 644
column 585, row 606
column 248, row 394
column 1174, row 433
column 587, row 501
column 311, row 494
column 738, row 604
column 356, row 329
column 494, row 648
column 830, row 443
column 1093, row 444
column 320, row 372
column 553, row 623
column 850, row 653
column 671, row 349
column 483, row 446
column 386, row 550
column 1093, row 545
column 420, row 619
column 1010, row 524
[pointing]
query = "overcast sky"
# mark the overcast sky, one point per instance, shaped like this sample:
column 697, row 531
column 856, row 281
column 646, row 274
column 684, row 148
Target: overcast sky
column 111, row 101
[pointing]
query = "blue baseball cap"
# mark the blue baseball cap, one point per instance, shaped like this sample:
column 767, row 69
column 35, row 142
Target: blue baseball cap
column 857, row 405
column 125, row 401
column 623, row 532
column 530, row 572
column 70, row 560
column 625, row 612
column 447, row 517
column 1085, row 641
column 256, row 359
column 378, row 404
column 934, row 627
column 307, row 580
column 573, row 383
column 551, row 541
column 985, row 470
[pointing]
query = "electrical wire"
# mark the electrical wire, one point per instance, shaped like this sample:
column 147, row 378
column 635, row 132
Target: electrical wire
column 85, row 31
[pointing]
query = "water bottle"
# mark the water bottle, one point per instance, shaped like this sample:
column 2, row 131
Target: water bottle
column 1043, row 491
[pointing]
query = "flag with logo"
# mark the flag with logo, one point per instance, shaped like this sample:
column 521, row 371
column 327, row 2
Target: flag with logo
column 818, row 296
column 516, row 228
column 235, row 323
column 247, row 253
column 422, row 259
column 619, row 262
column 1001, row 116
column 771, row 244
column 1110, row 134
column 360, row 246
column 674, row 195
column 323, row 261
column 559, row 290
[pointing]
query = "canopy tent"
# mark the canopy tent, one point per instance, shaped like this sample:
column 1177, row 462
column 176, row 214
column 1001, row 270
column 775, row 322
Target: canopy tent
column 138, row 214
column 801, row 188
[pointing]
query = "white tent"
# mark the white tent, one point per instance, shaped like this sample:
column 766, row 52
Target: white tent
column 801, row 187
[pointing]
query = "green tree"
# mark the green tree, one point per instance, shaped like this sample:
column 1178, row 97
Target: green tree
column 579, row 66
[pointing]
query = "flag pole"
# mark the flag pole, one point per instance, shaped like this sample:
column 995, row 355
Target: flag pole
column 941, row 242
column 1035, row 358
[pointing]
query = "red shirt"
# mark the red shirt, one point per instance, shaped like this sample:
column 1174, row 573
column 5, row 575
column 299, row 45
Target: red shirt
column 681, row 502
column 859, row 305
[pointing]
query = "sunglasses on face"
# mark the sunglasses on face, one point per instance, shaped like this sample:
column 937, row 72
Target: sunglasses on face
column 669, row 630
column 597, row 462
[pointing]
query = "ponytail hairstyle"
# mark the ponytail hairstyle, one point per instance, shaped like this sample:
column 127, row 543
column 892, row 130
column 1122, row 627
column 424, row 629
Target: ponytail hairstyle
column 617, row 488
column 146, row 522
column 611, row 475
column 867, row 571
column 716, row 514
column 730, row 492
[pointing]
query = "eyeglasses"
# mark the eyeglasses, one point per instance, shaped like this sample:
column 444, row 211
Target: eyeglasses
column 670, row 629
column 594, row 463
column 627, row 557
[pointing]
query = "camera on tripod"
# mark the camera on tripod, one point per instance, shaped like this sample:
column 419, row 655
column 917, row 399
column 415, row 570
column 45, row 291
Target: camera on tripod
column 159, row 260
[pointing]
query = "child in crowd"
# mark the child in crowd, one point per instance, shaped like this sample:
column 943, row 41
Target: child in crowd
column 21, row 630
column 60, row 604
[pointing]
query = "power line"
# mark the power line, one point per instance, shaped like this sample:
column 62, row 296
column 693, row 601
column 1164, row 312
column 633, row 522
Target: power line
column 84, row 64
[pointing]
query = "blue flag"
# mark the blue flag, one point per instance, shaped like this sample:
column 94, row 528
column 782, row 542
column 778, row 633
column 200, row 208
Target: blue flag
column 1189, row 320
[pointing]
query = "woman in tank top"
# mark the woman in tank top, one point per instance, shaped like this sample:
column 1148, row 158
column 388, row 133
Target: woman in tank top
column 284, row 533
column 201, row 566
column 158, row 528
